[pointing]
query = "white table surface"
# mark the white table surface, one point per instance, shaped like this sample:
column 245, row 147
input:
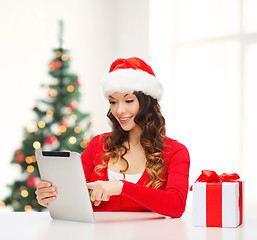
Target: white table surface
column 118, row 226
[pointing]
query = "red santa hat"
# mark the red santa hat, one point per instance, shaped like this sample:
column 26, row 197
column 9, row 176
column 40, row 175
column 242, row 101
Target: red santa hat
column 129, row 75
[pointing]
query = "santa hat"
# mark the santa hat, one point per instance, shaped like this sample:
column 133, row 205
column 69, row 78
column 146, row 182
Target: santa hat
column 129, row 75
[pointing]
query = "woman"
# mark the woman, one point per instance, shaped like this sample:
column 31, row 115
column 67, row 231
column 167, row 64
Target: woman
column 135, row 167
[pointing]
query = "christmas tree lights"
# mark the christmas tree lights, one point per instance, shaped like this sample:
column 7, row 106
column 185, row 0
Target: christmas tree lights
column 60, row 126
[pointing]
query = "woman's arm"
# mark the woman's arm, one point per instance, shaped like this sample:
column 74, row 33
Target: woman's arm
column 87, row 157
column 171, row 201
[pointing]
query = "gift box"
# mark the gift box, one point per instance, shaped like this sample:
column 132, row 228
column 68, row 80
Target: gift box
column 218, row 200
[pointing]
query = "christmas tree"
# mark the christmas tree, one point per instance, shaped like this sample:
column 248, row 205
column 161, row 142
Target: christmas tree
column 59, row 126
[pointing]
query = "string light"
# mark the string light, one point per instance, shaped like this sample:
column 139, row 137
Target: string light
column 52, row 67
column 2, row 204
column 29, row 160
column 77, row 130
column 27, row 208
column 53, row 92
column 68, row 110
column 33, row 128
column 83, row 144
column 63, row 129
column 33, row 158
column 87, row 135
column 29, row 130
column 46, row 87
column 72, row 140
column 37, row 145
column 49, row 113
column 30, row 169
column 70, row 88
column 55, row 81
column 65, row 57
column 41, row 124
column 58, row 54
column 74, row 117
column 58, row 133
column 24, row 193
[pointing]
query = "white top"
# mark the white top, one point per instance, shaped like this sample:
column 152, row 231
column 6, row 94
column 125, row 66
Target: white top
column 119, row 176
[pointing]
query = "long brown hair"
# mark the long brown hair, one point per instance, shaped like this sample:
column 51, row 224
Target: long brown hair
column 152, row 123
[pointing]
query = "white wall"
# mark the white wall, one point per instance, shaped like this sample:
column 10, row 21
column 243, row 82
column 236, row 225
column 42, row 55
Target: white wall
column 116, row 29
column 206, row 55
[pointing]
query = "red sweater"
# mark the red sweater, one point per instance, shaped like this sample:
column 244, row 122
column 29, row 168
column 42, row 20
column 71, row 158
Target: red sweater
column 168, row 200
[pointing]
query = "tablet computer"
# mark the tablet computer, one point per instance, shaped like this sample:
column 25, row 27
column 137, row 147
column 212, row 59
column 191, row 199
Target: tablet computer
column 65, row 171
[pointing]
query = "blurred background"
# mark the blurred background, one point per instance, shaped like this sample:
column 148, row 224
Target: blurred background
column 203, row 52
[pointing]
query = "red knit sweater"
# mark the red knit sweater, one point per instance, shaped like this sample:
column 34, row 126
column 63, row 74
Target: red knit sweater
column 168, row 200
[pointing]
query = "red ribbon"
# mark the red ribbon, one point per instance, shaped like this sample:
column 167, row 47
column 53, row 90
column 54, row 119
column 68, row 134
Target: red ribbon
column 212, row 177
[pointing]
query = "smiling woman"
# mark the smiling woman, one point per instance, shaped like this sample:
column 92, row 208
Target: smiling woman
column 124, row 109
column 135, row 167
column 144, row 131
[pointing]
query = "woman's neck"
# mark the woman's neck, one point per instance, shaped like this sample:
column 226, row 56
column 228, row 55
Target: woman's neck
column 134, row 136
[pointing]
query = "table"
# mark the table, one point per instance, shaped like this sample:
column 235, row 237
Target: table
column 118, row 226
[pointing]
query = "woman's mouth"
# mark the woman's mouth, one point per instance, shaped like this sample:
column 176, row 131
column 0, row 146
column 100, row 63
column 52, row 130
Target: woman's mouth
column 125, row 120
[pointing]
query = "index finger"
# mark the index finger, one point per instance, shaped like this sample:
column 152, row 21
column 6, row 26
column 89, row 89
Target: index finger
column 42, row 184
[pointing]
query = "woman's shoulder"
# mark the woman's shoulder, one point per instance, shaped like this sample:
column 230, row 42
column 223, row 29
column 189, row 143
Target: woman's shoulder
column 99, row 138
column 96, row 143
column 172, row 145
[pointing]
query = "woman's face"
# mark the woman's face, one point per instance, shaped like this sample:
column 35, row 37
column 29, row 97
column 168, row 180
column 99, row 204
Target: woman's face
column 124, row 107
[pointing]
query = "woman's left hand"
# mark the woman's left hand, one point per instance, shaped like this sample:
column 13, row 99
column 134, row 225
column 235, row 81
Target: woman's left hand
column 102, row 190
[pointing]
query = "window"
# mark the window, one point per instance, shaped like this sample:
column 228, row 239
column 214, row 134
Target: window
column 210, row 49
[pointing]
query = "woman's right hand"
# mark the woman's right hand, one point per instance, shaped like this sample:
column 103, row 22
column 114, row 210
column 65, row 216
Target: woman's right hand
column 45, row 192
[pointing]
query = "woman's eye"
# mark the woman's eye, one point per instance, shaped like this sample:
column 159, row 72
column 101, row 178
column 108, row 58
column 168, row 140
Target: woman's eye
column 128, row 101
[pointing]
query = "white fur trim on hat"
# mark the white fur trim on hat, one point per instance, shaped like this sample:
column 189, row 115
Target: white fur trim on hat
column 130, row 80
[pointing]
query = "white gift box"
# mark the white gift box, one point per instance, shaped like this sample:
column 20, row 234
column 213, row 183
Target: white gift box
column 218, row 204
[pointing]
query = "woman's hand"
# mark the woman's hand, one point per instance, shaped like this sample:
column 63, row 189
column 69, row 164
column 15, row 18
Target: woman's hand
column 102, row 190
column 45, row 193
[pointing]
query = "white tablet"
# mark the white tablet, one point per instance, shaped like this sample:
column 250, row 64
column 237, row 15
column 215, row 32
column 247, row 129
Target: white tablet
column 65, row 171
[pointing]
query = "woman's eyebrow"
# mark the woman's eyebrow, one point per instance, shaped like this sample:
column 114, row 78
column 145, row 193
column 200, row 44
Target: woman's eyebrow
column 123, row 96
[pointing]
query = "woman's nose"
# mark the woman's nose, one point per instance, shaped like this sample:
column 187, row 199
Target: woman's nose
column 121, row 109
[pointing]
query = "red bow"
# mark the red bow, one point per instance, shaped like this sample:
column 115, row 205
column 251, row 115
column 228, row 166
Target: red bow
column 212, row 177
